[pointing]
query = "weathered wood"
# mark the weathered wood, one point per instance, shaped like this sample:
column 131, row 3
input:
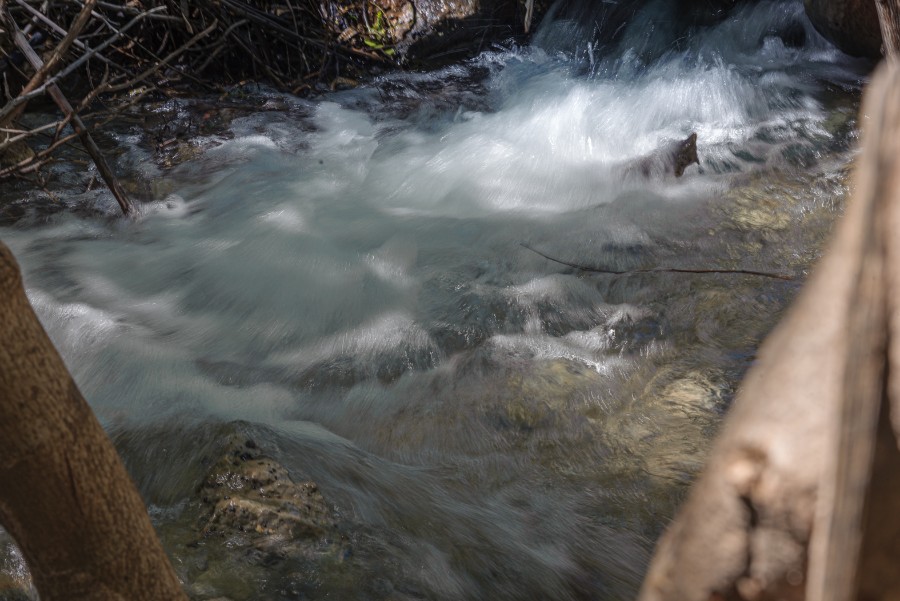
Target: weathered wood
column 66, row 497
column 889, row 20
column 846, row 482
column 797, row 453
column 687, row 270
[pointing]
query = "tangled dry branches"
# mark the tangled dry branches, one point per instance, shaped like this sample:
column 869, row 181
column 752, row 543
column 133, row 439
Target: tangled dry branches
column 121, row 51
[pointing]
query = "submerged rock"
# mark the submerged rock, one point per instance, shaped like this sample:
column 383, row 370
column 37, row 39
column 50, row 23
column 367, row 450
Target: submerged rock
column 253, row 531
column 248, row 492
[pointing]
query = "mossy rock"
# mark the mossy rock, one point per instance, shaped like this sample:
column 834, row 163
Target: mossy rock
column 248, row 492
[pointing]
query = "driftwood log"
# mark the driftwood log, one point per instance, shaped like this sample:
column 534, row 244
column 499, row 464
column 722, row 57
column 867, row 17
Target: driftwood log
column 799, row 499
column 65, row 495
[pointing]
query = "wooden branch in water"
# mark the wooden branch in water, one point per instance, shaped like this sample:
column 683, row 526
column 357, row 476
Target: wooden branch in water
column 764, row 274
column 86, row 139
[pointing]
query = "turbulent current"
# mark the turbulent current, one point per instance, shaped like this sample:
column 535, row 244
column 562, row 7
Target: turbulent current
column 377, row 287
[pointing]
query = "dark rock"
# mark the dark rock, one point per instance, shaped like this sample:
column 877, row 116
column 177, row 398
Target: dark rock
column 429, row 32
column 248, row 492
column 851, row 25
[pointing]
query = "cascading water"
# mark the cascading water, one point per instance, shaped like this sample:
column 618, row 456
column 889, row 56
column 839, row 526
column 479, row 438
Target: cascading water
column 355, row 279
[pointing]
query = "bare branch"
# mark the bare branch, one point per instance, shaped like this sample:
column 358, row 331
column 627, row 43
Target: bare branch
column 764, row 274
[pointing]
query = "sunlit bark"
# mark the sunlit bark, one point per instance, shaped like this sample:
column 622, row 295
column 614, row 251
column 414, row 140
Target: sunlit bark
column 799, row 497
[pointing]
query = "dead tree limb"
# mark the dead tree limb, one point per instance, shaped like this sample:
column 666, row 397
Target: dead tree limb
column 55, row 59
column 164, row 61
column 60, row 31
column 799, row 497
column 24, row 97
column 856, row 542
column 86, row 139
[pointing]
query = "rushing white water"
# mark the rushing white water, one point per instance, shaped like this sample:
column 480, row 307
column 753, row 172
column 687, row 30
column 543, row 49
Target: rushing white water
column 349, row 272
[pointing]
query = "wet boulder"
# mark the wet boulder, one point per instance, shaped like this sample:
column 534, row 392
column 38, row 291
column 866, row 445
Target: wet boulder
column 851, row 25
column 705, row 12
column 253, row 531
column 432, row 32
column 248, row 492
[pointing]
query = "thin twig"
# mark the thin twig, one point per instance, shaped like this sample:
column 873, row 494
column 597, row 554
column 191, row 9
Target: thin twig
column 764, row 274
column 23, row 98
column 48, row 67
column 102, row 166
column 165, row 61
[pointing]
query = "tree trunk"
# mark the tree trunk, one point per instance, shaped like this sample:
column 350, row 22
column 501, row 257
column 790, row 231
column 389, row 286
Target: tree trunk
column 800, row 494
column 64, row 494
column 889, row 19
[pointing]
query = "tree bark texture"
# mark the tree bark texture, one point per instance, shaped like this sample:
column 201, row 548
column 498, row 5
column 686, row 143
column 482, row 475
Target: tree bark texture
column 799, row 498
column 889, row 19
column 64, row 493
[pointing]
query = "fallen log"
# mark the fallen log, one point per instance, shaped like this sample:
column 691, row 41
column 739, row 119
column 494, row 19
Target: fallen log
column 66, row 498
column 798, row 500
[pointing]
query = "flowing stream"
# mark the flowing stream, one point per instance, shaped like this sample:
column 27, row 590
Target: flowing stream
column 373, row 286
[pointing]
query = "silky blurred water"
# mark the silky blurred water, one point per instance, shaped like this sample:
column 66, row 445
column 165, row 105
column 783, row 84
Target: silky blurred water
column 352, row 278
